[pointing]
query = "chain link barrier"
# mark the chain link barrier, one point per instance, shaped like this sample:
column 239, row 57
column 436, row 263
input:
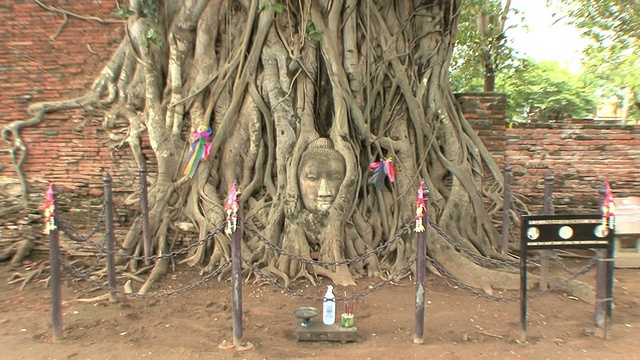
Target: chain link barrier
column 308, row 260
column 371, row 289
column 447, row 276
column 74, row 235
column 83, row 275
column 477, row 257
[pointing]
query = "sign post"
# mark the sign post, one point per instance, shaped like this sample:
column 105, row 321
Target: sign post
column 590, row 231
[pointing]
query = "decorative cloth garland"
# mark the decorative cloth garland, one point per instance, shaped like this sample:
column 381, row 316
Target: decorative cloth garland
column 201, row 148
column 381, row 168
column 421, row 209
column 231, row 209
column 49, row 210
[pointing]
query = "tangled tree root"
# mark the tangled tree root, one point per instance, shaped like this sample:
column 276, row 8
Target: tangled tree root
column 230, row 345
column 26, row 278
column 18, row 252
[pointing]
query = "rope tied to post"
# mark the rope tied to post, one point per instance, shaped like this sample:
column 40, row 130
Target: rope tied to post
column 231, row 209
column 421, row 209
column 49, row 209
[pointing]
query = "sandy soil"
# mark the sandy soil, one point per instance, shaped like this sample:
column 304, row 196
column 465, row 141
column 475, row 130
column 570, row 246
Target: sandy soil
column 459, row 325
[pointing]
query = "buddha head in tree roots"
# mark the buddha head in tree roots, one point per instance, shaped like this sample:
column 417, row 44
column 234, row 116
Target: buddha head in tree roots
column 320, row 174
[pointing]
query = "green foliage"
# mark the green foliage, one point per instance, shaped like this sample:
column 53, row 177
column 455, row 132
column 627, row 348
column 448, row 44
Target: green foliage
column 277, row 7
column 124, row 12
column 148, row 8
column 315, row 34
column 535, row 91
column 151, row 38
column 546, row 92
column 481, row 39
column 612, row 61
column 145, row 9
column 606, row 21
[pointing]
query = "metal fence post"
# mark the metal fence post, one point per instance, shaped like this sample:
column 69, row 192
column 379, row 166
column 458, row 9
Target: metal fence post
column 604, row 272
column 144, row 203
column 506, row 207
column 108, row 214
column 236, row 274
column 421, row 265
column 601, row 293
column 547, row 209
column 54, row 258
column 523, row 285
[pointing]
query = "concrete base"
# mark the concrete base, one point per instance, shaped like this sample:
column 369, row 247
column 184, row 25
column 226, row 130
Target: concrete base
column 322, row 332
column 627, row 260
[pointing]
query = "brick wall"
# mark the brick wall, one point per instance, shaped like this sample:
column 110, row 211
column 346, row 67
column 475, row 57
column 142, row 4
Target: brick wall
column 42, row 58
column 486, row 112
column 580, row 153
column 72, row 150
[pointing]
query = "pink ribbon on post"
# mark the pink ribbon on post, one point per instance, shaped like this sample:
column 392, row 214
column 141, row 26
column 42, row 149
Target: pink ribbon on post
column 49, row 209
column 231, row 209
column 608, row 207
column 421, row 209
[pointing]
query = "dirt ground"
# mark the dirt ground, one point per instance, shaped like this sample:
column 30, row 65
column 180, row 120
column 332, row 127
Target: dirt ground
column 459, row 325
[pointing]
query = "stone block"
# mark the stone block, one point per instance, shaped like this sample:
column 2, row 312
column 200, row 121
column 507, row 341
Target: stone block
column 322, row 332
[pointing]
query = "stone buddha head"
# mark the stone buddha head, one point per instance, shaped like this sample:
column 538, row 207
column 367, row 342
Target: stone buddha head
column 320, row 175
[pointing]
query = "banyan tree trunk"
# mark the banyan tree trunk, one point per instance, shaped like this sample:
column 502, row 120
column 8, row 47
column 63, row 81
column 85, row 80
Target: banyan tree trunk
column 301, row 96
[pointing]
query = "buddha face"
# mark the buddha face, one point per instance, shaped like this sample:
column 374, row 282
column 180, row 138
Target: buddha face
column 322, row 170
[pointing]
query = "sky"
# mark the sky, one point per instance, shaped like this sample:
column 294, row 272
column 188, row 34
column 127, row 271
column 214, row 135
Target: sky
column 546, row 39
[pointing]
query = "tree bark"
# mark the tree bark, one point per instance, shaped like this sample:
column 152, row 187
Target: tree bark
column 269, row 78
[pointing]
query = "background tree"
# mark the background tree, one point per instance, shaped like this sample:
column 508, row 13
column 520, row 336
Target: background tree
column 545, row 91
column 270, row 78
column 482, row 49
column 611, row 60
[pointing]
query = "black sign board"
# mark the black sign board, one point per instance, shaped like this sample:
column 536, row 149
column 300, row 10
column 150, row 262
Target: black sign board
column 565, row 231
column 570, row 231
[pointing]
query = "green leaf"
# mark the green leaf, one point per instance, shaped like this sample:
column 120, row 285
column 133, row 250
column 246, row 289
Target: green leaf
column 278, row 7
column 316, row 35
column 310, row 26
column 124, row 12
column 149, row 34
column 156, row 41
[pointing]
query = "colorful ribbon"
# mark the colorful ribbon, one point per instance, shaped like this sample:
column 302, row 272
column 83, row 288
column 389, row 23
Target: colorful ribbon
column 608, row 207
column 381, row 168
column 421, row 209
column 231, row 209
column 201, row 148
column 49, row 209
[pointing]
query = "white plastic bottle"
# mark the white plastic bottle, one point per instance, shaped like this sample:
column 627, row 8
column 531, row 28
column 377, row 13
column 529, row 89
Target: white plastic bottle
column 329, row 307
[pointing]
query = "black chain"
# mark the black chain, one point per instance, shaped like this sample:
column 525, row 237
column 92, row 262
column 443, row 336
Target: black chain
column 67, row 228
column 588, row 267
column 168, row 255
column 308, row 260
column 371, row 289
column 74, row 234
column 77, row 273
column 479, row 258
column 562, row 265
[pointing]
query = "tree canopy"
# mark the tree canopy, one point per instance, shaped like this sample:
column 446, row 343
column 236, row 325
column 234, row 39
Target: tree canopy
column 611, row 61
column 545, row 91
column 482, row 49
